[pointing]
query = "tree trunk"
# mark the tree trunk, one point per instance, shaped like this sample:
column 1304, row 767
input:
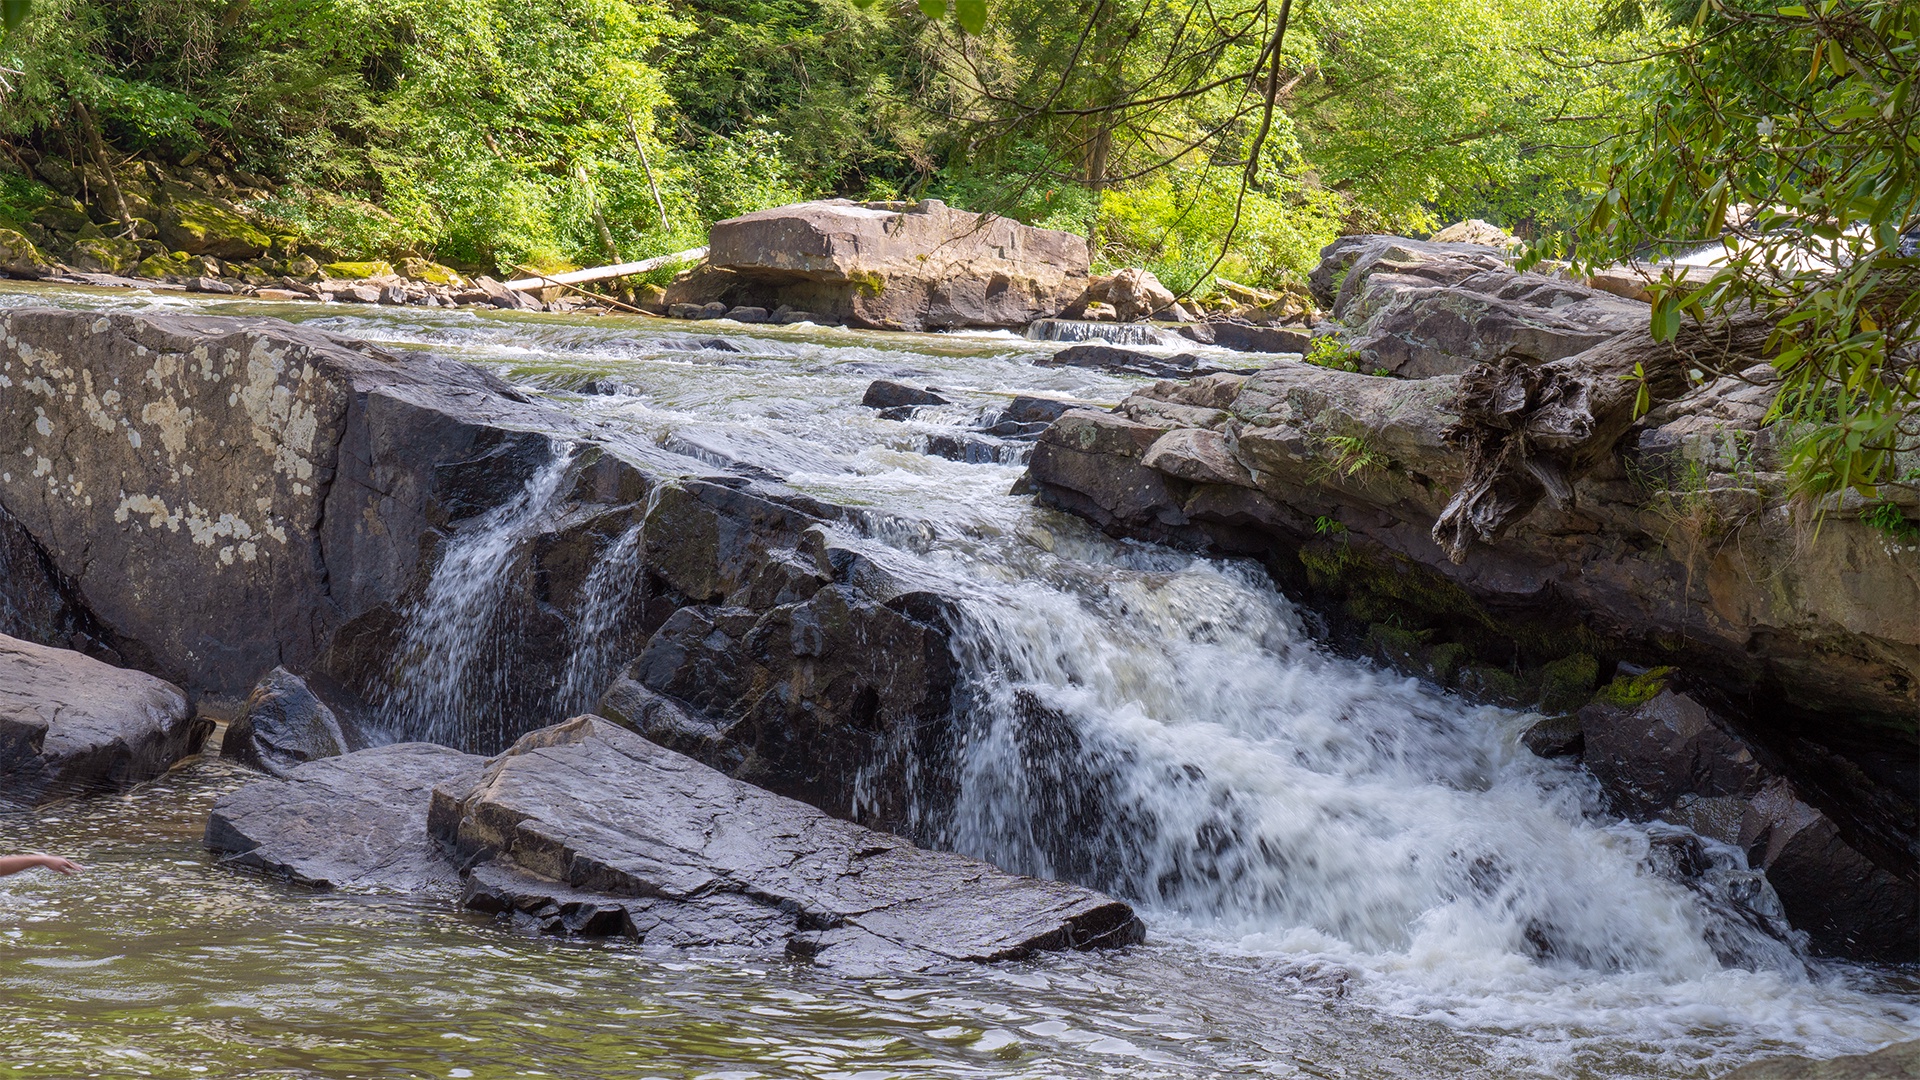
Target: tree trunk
column 97, row 150
column 1529, row 430
column 599, row 219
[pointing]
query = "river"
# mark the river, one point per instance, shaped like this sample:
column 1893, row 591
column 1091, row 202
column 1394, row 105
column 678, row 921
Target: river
column 1345, row 873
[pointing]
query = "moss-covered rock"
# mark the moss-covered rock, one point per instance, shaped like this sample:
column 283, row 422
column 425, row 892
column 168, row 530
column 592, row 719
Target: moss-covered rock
column 1485, row 682
column 357, row 271
column 1633, row 691
column 204, row 227
column 62, row 214
column 104, row 256
column 172, row 264
column 1567, row 683
column 19, row 257
column 1444, row 660
column 430, row 272
column 1397, row 645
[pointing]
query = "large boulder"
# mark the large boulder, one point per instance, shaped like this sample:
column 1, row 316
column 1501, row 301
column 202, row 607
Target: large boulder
column 1417, row 310
column 70, row 725
column 341, row 469
column 587, row 828
column 894, row 266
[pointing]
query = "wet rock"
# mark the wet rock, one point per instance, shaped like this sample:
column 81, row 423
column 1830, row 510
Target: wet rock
column 1901, row 1061
column 354, row 822
column 1125, row 361
column 283, row 725
column 1091, row 464
column 1036, row 410
column 587, row 828
column 70, row 725
column 748, row 314
column 1672, row 746
column 968, row 449
column 1556, row 737
column 1845, row 903
column 208, row 285
column 816, row 696
column 1244, row 338
column 898, row 266
column 883, row 394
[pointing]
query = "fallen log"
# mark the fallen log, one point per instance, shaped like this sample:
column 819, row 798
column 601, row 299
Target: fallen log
column 608, row 300
column 1529, row 430
column 601, row 273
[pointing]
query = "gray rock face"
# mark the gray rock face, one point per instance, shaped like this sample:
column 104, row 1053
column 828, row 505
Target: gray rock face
column 70, row 725
column 1417, row 310
column 895, row 266
column 283, row 725
column 587, row 828
column 353, row 822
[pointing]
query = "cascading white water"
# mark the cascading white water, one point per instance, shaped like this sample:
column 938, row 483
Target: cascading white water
column 604, row 600
column 440, row 670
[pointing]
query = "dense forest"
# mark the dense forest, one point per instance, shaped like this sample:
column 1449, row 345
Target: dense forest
column 484, row 133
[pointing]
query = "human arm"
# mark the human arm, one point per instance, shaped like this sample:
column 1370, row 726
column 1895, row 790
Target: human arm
column 13, row 864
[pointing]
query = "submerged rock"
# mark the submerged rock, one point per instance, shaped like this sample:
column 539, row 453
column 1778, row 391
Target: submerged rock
column 352, row 822
column 70, row 725
column 891, row 266
column 587, row 828
column 1901, row 1061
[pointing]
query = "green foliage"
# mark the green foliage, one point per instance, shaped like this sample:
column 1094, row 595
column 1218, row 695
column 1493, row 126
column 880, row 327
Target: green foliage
column 1788, row 134
column 1329, row 351
column 1892, row 522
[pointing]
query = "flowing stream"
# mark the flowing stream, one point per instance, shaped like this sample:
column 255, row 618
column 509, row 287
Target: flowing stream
column 1346, row 873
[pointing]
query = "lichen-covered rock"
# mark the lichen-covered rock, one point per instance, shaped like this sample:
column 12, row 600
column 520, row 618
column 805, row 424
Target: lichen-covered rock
column 897, row 266
column 70, row 725
column 433, row 273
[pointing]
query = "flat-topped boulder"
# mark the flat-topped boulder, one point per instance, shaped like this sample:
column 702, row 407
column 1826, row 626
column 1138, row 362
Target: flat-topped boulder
column 586, row 827
column 356, row 822
column 890, row 266
column 71, row 725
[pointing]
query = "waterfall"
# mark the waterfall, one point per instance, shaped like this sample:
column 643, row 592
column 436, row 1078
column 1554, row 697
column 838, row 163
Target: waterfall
column 451, row 660
column 604, row 596
column 1168, row 731
column 1071, row 330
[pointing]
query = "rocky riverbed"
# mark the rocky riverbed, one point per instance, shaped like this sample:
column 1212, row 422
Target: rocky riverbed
column 779, row 582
